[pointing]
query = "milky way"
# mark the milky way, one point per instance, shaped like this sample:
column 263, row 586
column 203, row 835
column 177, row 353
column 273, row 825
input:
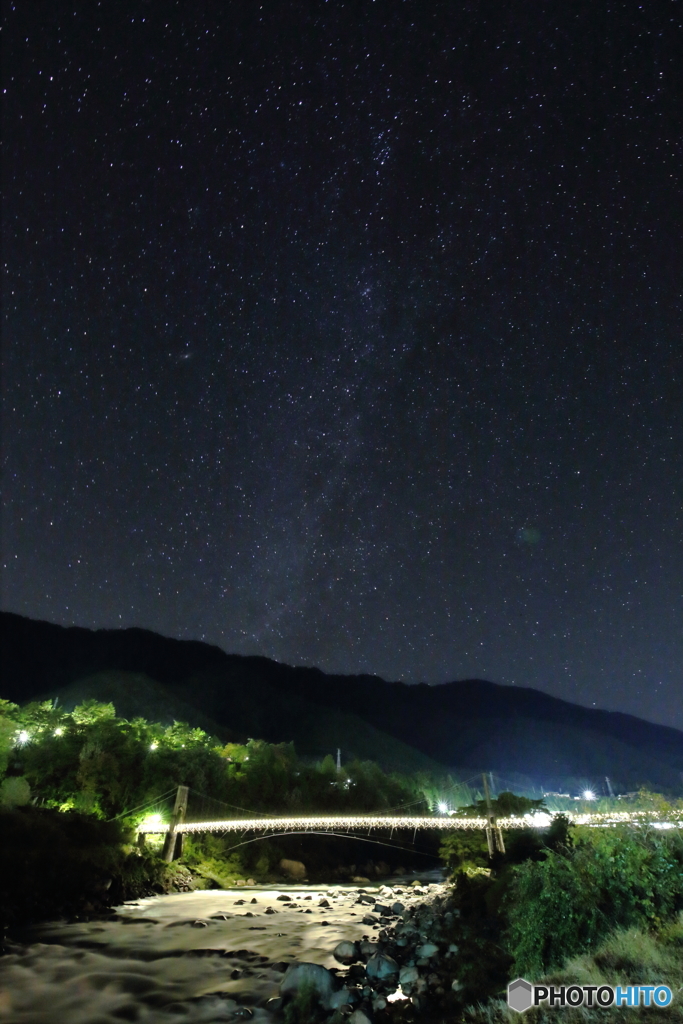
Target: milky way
column 350, row 335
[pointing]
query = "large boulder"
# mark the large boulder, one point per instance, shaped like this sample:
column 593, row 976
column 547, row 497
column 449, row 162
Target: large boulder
column 380, row 966
column 307, row 974
column 346, row 952
column 293, row 869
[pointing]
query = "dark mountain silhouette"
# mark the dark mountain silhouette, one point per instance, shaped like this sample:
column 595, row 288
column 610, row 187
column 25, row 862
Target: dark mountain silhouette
column 470, row 724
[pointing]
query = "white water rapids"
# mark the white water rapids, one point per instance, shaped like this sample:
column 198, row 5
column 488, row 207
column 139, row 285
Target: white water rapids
column 187, row 958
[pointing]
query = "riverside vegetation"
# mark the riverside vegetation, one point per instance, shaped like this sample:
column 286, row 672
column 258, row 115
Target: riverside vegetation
column 564, row 903
column 75, row 786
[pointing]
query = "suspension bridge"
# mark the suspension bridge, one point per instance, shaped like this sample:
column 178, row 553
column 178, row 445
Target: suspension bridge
column 178, row 823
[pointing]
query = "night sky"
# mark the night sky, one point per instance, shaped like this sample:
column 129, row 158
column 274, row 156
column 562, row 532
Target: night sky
column 350, row 334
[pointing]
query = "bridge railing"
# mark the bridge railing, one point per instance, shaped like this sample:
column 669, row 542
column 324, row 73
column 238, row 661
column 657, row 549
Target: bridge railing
column 350, row 822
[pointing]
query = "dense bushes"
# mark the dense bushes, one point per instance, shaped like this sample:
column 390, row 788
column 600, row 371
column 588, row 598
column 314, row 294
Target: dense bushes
column 90, row 760
column 556, row 894
column 54, row 864
column 607, row 878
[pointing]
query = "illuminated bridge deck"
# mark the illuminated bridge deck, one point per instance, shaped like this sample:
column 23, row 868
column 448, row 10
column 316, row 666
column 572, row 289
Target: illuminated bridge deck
column 366, row 822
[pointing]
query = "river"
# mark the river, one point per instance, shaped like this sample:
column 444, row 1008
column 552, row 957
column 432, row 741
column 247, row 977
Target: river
column 185, row 958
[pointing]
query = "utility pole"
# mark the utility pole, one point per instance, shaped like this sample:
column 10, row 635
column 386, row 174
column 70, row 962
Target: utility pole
column 173, row 843
column 338, row 760
column 494, row 835
column 609, row 787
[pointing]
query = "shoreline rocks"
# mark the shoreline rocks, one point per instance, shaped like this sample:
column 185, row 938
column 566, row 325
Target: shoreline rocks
column 411, row 958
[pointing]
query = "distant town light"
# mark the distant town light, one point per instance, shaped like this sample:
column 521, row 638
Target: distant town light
column 443, row 808
column 153, row 746
column 59, row 731
column 588, row 794
column 23, row 737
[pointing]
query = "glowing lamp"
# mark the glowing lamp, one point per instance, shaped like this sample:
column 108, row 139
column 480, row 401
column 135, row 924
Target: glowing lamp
column 588, row 794
column 151, row 822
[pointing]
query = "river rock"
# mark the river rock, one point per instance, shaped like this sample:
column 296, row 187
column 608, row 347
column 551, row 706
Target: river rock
column 408, row 976
column 346, row 952
column 309, row 974
column 397, row 908
column 283, row 898
column 340, row 998
column 293, row 869
column 359, row 1017
column 370, row 919
column 427, row 950
column 382, row 908
column 380, row 966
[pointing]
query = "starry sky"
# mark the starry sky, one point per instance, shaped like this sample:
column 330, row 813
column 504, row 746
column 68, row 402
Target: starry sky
column 349, row 334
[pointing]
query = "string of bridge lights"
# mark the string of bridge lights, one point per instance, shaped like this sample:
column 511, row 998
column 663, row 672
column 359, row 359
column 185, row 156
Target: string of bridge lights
column 155, row 824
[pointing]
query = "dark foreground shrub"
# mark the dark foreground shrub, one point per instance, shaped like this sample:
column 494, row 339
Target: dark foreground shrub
column 54, row 864
column 608, row 878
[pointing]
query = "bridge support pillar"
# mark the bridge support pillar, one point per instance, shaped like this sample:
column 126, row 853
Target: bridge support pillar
column 494, row 833
column 173, row 843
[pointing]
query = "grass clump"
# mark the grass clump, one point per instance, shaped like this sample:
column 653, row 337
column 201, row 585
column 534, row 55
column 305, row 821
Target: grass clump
column 625, row 957
column 304, row 1007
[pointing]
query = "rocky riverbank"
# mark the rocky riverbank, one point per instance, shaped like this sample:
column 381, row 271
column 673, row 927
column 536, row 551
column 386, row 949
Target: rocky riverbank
column 410, row 959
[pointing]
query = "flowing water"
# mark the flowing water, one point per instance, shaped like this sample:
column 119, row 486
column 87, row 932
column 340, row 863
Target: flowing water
column 186, row 958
